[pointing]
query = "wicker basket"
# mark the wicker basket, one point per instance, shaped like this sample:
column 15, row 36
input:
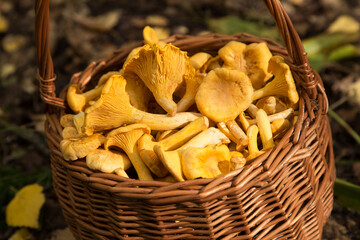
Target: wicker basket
column 284, row 194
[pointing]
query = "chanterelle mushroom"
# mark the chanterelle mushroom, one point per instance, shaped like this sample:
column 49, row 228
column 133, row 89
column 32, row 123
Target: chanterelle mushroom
column 162, row 69
column 146, row 144
column 113, row 109
column 192, row 85
column 126, row 138
column 108, row 161
column 171, row 159
column 204, row 162
column 74, row 148
column 77, row 100
column 223, row 94
column 271, row 104
column 252, row 59
column 139, row 94
column 283, row 83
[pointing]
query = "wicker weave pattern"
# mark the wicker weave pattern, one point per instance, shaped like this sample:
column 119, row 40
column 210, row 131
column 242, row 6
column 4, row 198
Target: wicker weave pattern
column 284, row 194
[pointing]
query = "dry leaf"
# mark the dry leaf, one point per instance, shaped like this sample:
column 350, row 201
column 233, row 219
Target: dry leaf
column 101, row 23
column 24, row 208
column 4, row 24
column 21, row 234
column 157, row 20
column 344, row 24
column 62, row 234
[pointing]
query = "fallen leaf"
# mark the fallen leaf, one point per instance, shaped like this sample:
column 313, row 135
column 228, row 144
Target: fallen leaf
column 7, row 69
column 4, row 24
column 12, row 43
column 21, row 234
column 62, row 234
column 233, row 24
column 101, row 23
column 354, row 93
column 344, row 24
column 157, row 20
column 24, row 209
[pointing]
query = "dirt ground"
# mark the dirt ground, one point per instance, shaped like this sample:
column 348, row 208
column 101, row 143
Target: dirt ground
column 86, row 30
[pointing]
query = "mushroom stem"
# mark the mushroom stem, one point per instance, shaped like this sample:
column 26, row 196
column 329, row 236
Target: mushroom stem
column 126, row 138
column 237, row 132
column 192, row 85
column 264, row 129
column 185, row 134
column 172, row 160
column 162, row 121
column 283, row 84
column 252, row 133
column 244, row 121
column 146, row 145
column 280, row 115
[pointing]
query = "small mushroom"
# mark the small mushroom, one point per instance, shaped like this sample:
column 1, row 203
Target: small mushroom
column 171, row 159
column 126, row 139
column 225, row 130
column 279, row 127
column 71, row 132
column 108, row 162
column 254, row 152
column 237, row 160
column 146, row 144
column 75, row 148
column 264, row 126
column 199, row 60
column 271, row 105
column 223, row 94
column 67, row 120
column 204, row 162
column 283, row 83
column 77, row 100
column 192, row 86
column 79, row 121
column 251, row 59
column 162, row 69
column 212, row 64
column 113, row 109
column 237, row 132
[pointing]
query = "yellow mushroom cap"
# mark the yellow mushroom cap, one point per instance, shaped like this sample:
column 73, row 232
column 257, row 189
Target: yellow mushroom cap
column 271, row 104
column 162, row 69
column 73, row 149
column 252, row 59
column 126, row 138
column 199, row 59
column 67, row 120
column 283, row 83
column 147, row 154
column 223, row 94
column 108, row 161
column 204, row 162
column 77, row 100
column 150, row 36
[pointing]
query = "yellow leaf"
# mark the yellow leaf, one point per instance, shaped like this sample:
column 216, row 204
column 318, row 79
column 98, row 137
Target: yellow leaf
column 21, row 234
column 24, row 208
column 344, row 24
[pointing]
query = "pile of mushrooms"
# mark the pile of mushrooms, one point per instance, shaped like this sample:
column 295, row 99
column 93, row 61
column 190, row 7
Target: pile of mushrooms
column 170, row 117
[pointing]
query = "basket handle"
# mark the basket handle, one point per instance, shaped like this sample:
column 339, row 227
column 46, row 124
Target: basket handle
column 47, row 76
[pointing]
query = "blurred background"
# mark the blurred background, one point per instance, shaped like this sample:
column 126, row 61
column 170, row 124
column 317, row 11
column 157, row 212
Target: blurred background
column 84, row 30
